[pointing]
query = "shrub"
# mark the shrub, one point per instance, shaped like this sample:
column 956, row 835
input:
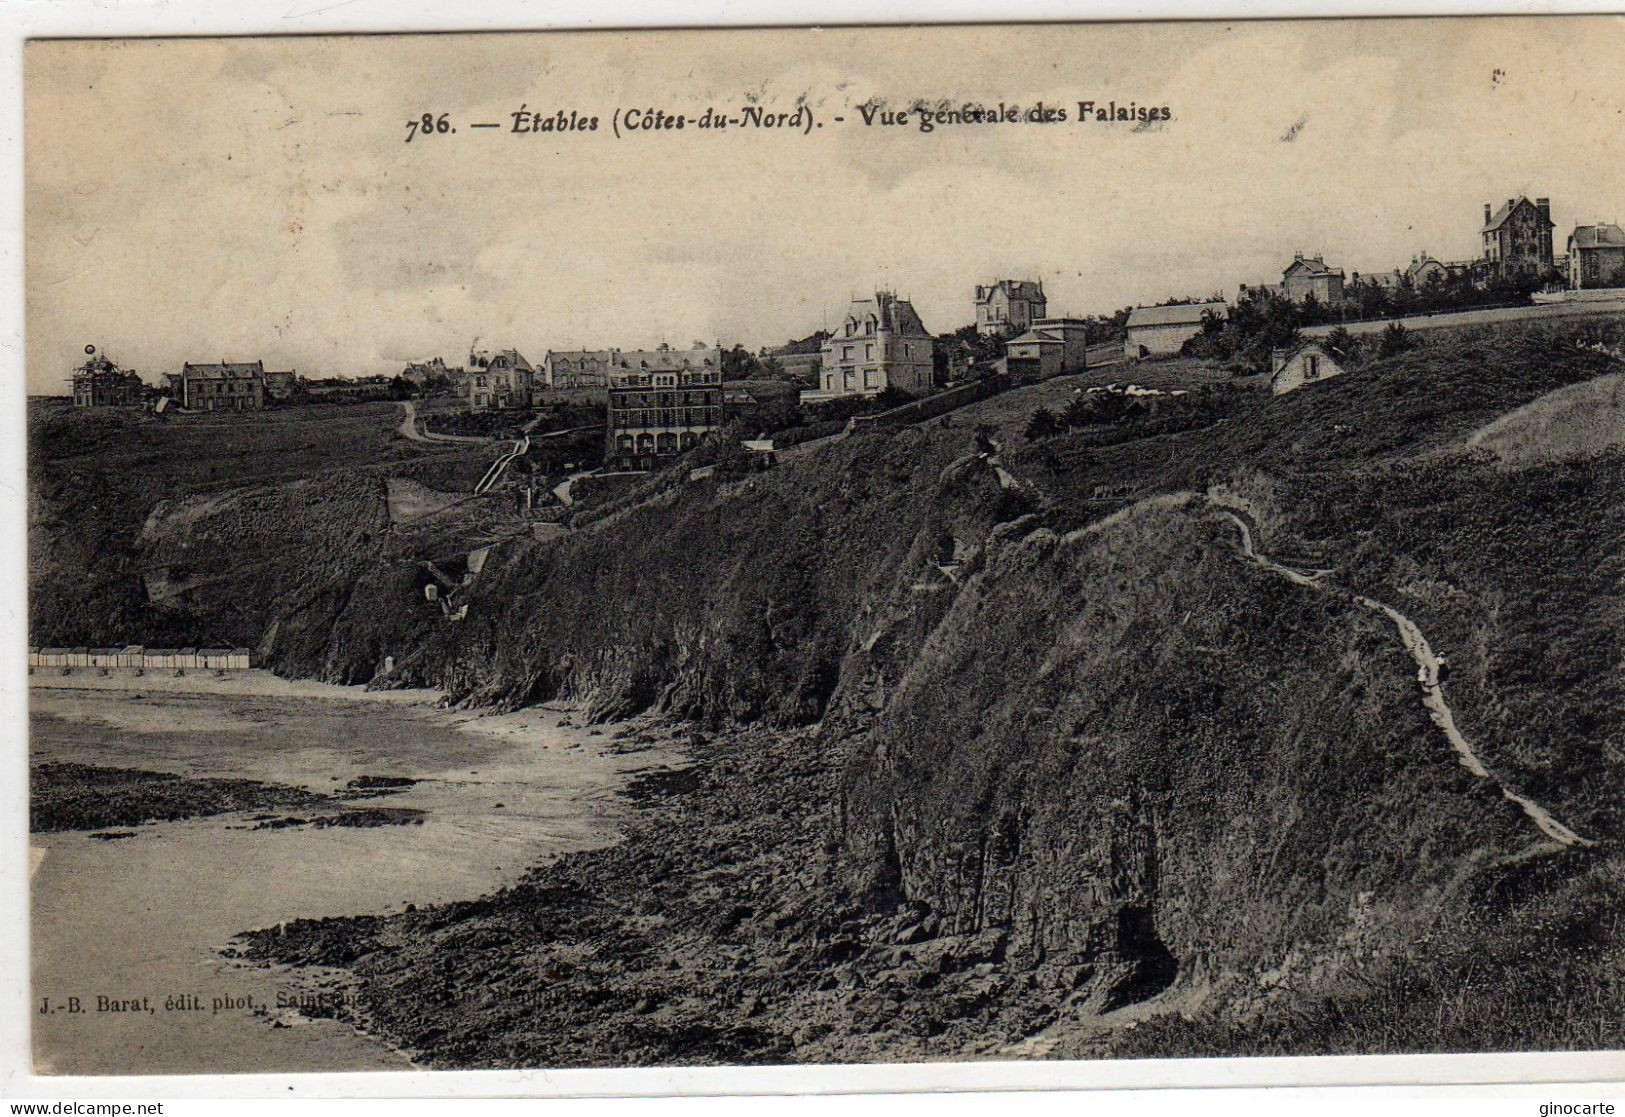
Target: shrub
column 1043, row 424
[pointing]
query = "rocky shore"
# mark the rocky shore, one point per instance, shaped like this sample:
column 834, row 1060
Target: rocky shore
column 718, row 931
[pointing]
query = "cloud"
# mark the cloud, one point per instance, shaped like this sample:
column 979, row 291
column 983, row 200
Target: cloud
column 199, row 199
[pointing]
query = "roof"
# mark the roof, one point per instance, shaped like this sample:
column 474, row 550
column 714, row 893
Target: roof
column 225, row 370
column 1184, row 314
column 1013, row 288
column 1310, row 265
column 890, row 312
column 664, row 360
column 1307, row 344
column 1597, row 236
column 511, row 358
column 1422, row 262
column 1268, row 288
column 1318, row 344
column 1507, row 210
column 1048, row 331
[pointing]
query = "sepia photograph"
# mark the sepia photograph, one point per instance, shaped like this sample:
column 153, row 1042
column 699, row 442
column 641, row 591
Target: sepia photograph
column 828, row 545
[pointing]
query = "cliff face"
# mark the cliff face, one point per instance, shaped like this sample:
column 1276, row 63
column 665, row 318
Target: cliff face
column 730, row 601
column 1126, row 747
column 1125, row 759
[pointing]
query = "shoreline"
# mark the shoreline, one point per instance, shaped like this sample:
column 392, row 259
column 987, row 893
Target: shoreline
column 253, row 682
column 505, row 795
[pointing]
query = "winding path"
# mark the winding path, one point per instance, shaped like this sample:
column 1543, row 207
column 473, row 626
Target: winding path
column 409, row 429
column 1427, row 675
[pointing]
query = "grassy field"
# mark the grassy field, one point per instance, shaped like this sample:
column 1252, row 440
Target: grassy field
column 228, row 520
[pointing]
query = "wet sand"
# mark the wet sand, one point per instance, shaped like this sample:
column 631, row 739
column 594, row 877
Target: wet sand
column 142, row 920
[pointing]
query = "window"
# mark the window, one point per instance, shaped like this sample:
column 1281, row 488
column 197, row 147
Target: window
column 1311, row 368
column 846, row 352
column 869, row 351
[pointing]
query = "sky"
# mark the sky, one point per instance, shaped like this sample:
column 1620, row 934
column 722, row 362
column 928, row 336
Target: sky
column 242, row 199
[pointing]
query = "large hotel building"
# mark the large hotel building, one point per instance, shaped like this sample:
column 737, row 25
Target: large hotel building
column 661, row 403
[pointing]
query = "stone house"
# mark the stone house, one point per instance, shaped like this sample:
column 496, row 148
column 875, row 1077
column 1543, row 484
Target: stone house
column 1291, row 369
column 227, row 386
column 1162, row 331
column 880, row 344
column 1309, row 275
column 1518, row 237
column 498, row 380
column 1009, row 306
column 1596, row 256
column 1052, row 347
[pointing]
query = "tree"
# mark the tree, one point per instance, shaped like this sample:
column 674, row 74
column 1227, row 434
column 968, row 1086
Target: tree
column 740, row 363
column 1396, row 339
column 1343, row 343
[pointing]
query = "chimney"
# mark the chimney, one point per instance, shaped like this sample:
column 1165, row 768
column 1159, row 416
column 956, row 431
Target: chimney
column 1545, row 207
column 1277, row 359
column 1486, row 213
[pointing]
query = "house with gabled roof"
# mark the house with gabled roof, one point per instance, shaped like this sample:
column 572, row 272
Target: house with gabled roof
column 226, row 386
column 1310, row 275
column 1596, row 256
column 1009, row 305
column 1308, row 362
column 1517, row 237
column 498, row 380
column 880, row 344
column 1162, row 331
column 1052, row 347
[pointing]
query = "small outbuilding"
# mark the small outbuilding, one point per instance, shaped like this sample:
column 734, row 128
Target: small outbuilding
column 1162, row 331
column 1291, row 369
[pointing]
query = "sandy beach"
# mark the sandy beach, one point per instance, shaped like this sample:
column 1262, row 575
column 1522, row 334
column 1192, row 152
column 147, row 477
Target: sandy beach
column 142, row 921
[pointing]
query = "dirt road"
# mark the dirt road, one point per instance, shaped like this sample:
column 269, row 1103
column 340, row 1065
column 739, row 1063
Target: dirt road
column 409, row 428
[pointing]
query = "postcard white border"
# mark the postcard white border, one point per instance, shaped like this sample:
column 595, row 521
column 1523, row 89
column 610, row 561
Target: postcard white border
column 1598, row 1073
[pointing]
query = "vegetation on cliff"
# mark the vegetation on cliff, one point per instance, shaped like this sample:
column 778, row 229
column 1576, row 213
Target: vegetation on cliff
column 1037, row 761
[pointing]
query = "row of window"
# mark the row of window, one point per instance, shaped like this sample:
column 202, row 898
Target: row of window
column 622, row 400
column 849, row 352
column 664, row 443
column 667, row 417
column 847, row 381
